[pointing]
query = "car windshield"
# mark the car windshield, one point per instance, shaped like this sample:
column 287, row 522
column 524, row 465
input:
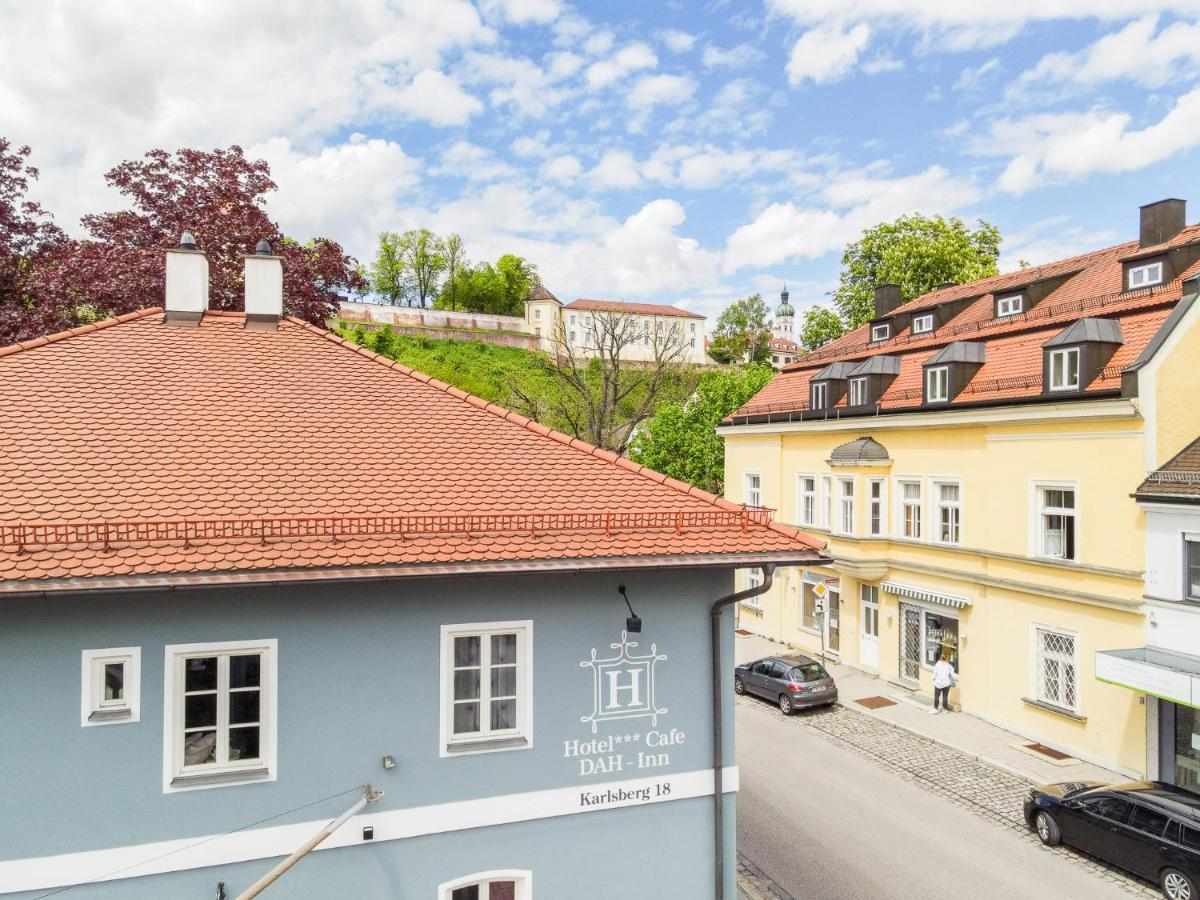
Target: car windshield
column 809, row 672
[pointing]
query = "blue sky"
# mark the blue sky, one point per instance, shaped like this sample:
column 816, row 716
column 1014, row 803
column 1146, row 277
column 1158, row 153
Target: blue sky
column 677, row 152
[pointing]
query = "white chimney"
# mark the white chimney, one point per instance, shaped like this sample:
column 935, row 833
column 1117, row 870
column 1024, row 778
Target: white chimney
column 264, row 288
column 187, row 283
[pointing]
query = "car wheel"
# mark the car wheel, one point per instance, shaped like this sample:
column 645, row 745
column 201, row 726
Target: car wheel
column 1046, row 828
column 738, row 687
column 785, row 705
column 1176, row 885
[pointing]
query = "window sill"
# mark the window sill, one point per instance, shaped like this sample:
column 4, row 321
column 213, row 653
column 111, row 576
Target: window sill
column 487, row 746
column 209, row 779
column 1057, row 710
column 110, row 716
column 751, row 607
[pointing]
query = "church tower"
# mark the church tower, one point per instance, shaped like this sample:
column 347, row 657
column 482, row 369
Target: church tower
column 784, row 322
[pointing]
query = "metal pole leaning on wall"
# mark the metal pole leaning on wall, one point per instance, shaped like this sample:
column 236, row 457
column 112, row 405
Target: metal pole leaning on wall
column 370, row 795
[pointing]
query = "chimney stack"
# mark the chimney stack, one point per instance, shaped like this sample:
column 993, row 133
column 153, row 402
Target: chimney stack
column 264, row 289
column 1161, row 221
column 887, row 298
column 187, row 283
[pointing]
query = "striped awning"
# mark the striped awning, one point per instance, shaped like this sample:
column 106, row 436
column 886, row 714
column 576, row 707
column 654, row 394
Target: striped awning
column 916, row 593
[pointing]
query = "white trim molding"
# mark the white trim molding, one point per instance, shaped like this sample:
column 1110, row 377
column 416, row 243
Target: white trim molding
column 200, row 851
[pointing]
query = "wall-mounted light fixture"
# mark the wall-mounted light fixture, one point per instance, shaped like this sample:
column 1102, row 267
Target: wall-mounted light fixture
column 633, row 624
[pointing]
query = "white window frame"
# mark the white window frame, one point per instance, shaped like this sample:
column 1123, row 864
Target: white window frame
column 1037, row 659
column 802, row 495
column 522, row 877
column 937, row 377
column 902, row 505
column 537, row 312
column 922, row 324
column 1189, row 540
column 858, row 391
column 487, row 741
column 93, row 708
column 877, row 507
column 177, row 777
column 881, row 332
column 753, row 579
column 1012, row 305
column 940, row 505
column 827, row 501
column 1058, row 380
column 844, row 508
column 819, row 389
column 752, row 496
column 1145, row 276
column 1037, row 525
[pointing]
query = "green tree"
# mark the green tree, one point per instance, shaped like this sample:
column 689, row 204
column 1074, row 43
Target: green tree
column 387, row 275
column 741, row 334
column 820, row 326
column 499, row 290
column 408, row 266
column 385, row 341
column 456, row 260
column 519, row 276
column 680, row 439
column 917, row 252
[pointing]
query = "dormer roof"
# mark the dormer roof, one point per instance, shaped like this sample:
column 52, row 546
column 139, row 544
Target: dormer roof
column 1098, row 331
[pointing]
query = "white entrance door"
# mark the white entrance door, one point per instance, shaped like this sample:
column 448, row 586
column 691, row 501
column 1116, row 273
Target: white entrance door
column 868, row 639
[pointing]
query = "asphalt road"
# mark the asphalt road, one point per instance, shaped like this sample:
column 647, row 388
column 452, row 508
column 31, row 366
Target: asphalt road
column 825, row 822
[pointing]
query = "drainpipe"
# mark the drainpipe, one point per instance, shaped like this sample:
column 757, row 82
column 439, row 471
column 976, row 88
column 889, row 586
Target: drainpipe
column 768, row 572
column 370, row 795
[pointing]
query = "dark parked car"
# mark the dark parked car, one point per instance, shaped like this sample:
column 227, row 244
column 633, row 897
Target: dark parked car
column 794, row 682
column 1148, row 828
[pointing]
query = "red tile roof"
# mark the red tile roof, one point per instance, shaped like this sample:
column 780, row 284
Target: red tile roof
column 157, row 450
column 1178, row 477
column 644, row 309
column 1091, row 286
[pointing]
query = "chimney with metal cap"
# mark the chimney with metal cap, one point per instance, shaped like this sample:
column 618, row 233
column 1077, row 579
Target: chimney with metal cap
column 887, row 298
column 1161, row 221
column 264, row 288
column 187, row 283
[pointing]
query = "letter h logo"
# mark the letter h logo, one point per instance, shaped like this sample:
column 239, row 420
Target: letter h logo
column 623, row 685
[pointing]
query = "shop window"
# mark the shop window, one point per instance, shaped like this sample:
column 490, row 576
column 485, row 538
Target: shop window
column 940, row 637
column 1187, row 749
column 1191, row 568
column 808, row 607
column 1056, row 668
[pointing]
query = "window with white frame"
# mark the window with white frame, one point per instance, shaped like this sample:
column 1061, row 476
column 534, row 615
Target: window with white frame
column 486, row 686
column 1057, row 522
column 1056, row 668
column 878, row 511
column 537, row 312
column 858, row 391
column 1191, row 567
column 498, row 885
column 937, row 384
column 947, row 495
column 910, row 509
column 571, row 320
column 111, row 689
column 753, row 580
column 1145, row 276
column 827, row 501
column 806, row 500
column 820, row 395
column 1010, row 306
column 220, row 713
column 880, row 332
column 1064, row 369
column 922, row 324
column 752, row 489
column 845, row 518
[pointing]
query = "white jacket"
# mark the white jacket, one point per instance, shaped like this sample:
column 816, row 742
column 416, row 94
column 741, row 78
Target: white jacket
column 943, row 674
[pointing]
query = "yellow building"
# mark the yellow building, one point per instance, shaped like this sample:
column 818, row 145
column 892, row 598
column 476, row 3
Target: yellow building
column 969, row 456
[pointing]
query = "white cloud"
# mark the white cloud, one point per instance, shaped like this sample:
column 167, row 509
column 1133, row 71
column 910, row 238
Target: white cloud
column 826, row 53
column 972, row 77
column 517, row 83
column 1049, row 240
column 678, row 41
column 528, row 146
column 701, row 167
column 852, row 202
column 661, row 90
column 628, row 59
column 473, row 163
column 616, row 169
column 1059, row 147
column 562, row 168
column 599, row 43
column 738, row 57
column 736, row 109
column 882, row 63
column 524, row 12
column 434, row 97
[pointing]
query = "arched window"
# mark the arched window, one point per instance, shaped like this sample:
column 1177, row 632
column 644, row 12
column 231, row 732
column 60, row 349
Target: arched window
column 501, row 884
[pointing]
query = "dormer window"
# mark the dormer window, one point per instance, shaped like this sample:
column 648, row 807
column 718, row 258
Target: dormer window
column 1064, row 369
column 937, row 384
column 881, row 332
column 1145, row 276
column 1010, row 306
column 922, row 324
column 820, row 395
column 858, row 391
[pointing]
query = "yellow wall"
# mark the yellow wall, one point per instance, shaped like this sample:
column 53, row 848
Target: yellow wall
column 1177, row 392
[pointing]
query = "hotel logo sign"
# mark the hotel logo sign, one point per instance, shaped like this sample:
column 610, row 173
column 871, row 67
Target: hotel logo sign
column 623, row 685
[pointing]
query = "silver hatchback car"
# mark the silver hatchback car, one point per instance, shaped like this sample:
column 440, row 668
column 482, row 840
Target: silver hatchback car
column 794, row 682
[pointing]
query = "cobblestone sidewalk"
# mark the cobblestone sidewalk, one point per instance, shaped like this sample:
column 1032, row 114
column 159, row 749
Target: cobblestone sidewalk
column 987, row 791
column 754, row 885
